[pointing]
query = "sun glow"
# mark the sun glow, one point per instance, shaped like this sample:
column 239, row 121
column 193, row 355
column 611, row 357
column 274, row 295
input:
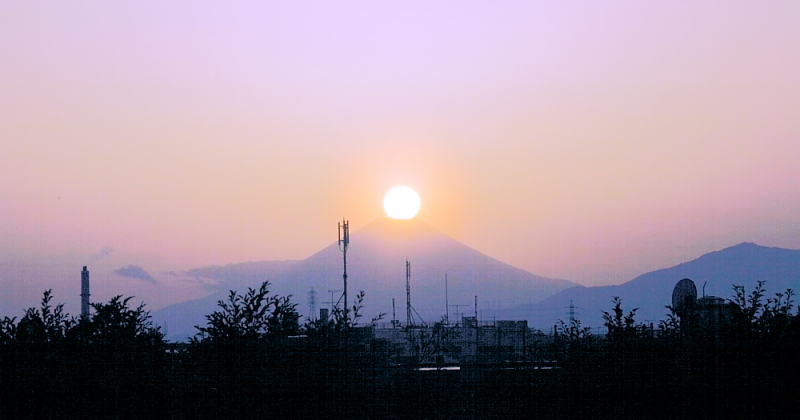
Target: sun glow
column 401, row 202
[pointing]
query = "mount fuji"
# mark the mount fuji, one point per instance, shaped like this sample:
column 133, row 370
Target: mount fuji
column 376, row 264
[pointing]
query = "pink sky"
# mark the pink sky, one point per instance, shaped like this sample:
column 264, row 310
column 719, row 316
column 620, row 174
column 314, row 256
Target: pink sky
column 592, row 141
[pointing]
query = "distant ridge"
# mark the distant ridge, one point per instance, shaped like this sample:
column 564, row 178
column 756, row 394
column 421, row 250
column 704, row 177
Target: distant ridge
column 744, row 264
column 376, row 264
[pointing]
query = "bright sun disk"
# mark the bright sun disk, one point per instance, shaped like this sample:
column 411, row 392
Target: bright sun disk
column 401, row 202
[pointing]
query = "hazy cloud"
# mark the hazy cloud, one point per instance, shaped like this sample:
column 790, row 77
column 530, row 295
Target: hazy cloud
column 237, row 276
column 104, row 253
column 136, row 272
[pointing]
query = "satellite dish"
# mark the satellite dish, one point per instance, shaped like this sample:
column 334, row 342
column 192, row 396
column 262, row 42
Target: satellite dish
column 684, row 296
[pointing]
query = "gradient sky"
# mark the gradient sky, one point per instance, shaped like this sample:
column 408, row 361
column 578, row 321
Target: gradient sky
column 592, row 141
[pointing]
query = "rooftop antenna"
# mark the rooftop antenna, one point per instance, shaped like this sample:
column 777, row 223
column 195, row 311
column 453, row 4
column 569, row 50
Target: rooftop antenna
column 85, row 293
column 704, row 288
column 344, row 243
column 476, row 307
column 334, row 303
column 457, row 312
column 394, row 316
column 312, row 304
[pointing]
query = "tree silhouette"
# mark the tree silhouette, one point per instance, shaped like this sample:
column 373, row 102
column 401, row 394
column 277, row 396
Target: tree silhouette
column 573, row 330
column 46, row 324
column 94, row 367
column 619, row 325
column 338, row 322
column 432, row 343
column 117, row 323
column 251, row 316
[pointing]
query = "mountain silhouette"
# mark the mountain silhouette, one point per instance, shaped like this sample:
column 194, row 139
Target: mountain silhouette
column 714, row 274
column 376, row 264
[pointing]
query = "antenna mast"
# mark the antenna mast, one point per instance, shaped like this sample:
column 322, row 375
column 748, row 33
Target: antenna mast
column 457, row 312
column 409, row 321
column 410, row 309
column 344, row 243
column 446, row 303
column 334, row 303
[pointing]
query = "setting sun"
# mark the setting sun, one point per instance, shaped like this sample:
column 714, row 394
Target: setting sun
column 401, row 202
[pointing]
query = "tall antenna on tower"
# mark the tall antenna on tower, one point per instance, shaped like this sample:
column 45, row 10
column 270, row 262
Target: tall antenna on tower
column 409, row 321
column 344, row 243
column 446, row 303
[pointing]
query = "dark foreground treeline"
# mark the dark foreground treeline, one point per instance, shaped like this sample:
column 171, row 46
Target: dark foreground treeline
column 254, row 360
